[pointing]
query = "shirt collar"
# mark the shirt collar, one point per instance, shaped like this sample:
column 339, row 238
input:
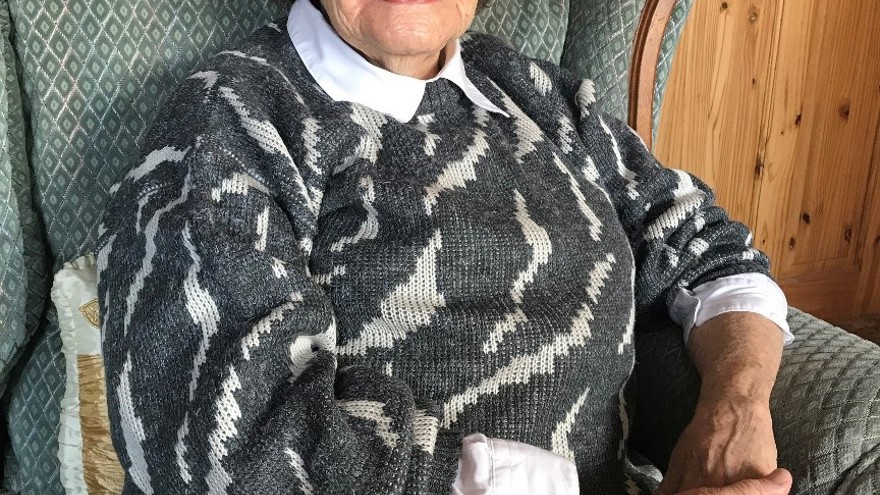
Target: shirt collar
column 346, row 76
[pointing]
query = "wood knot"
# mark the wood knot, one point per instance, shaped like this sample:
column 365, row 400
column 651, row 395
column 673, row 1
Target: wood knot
column 791, row 243
column 724, row 6
column 844, row 109
column 753, row 15
column 806, row 218
column 797, row 120
column 847, row 234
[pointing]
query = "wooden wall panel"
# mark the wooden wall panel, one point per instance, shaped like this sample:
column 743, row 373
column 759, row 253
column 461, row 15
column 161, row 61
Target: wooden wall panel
column 777, row 105
column 869, row 286
column 711, row 123
column 819, row 146
column 829, row 107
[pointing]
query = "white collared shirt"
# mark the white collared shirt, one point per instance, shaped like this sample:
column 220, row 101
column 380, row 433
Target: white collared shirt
column 347, row 76
column 491, row 465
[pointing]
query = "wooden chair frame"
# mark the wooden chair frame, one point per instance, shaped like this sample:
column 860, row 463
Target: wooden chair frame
column 643, row 71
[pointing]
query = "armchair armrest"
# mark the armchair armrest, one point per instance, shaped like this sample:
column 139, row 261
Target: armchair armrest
column 825, row 405
column 643, row 72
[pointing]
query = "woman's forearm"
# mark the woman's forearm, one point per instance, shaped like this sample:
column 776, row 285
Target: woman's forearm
column 730, row 437
column 737, row 355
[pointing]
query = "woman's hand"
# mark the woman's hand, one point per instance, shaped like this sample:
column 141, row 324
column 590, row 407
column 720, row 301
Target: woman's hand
column 776, row 483
column 730, row 437
column 727, row 441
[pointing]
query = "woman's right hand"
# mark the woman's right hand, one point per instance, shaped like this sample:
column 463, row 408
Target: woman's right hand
column 776, row 483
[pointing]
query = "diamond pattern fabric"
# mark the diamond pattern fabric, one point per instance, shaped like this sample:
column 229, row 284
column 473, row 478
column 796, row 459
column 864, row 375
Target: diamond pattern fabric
column 825, row 405
column 827, row 409
column 94, row 72
column 33, row 417
column 22, row 266
column 598, row 45
column 534, row 27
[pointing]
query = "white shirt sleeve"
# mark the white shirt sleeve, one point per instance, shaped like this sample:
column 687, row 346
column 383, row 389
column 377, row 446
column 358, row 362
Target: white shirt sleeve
column 502, row 467
column 752, row 292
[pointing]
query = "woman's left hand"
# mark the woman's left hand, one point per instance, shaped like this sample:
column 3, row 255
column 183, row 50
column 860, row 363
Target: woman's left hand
column 728, row 440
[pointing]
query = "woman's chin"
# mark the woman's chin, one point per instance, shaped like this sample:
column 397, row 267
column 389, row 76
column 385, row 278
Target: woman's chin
column 413, row 43
column 410, row 1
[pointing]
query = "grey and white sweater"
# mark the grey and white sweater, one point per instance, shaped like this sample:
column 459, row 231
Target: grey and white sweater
column 305, row 296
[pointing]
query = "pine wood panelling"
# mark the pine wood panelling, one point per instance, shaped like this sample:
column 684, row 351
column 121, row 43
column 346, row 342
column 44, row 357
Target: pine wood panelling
column 826, row 165
column 711, row 123
column 777, row 105
column 869, row 288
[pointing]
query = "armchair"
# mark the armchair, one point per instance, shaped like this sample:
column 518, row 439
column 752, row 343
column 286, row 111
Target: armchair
column 81, row 80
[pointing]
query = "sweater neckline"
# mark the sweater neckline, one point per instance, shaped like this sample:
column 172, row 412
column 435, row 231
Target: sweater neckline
column 346, row 76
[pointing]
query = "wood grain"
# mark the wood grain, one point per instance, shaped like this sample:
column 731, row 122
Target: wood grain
column 711, row 114
column 819, row 143
column 869, row 286
column 777, row 106
column 643, row 73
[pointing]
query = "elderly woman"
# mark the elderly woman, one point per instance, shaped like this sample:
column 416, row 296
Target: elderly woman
column 370, row 253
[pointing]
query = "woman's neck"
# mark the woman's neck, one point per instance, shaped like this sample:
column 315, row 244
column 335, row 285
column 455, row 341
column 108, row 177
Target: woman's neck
column 417, row 66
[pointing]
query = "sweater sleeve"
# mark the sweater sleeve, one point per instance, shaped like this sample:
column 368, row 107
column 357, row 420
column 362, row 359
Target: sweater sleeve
column 221, row 350
column 679, row 237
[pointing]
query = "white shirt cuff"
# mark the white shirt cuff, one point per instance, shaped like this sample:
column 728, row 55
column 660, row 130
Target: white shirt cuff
column 752, row 292
column 503, row 467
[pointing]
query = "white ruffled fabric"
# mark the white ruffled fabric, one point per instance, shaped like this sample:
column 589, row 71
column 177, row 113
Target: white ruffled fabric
column 75, row 296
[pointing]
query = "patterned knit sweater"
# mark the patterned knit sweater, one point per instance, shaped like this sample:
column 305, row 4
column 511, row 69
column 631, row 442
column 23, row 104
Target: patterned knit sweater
column 306, row 296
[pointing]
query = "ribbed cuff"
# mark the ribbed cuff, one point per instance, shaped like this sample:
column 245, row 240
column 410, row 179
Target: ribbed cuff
column 447, row 452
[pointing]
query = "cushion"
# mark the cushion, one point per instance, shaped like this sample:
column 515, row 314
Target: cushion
column 667, row 50
column 534, row 27
column 34, row 394
column 88, row 461
column 825, row 403
column 826, row 409
column 95, row 71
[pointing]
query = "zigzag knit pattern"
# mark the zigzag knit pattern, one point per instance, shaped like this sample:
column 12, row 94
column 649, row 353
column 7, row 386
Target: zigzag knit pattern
column 306, row 296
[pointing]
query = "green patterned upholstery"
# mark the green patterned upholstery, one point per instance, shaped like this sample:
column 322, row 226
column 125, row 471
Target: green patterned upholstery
column 826, row 408
column 94, row 71
column 34, row 412
column 22, row 270
column 599, row 45
column 536, row 27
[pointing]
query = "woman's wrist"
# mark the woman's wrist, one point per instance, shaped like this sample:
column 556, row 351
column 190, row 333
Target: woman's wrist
column 745, row 384
column 738, row 356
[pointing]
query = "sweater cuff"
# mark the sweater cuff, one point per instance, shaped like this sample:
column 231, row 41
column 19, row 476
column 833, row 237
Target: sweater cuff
column 447, row 452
